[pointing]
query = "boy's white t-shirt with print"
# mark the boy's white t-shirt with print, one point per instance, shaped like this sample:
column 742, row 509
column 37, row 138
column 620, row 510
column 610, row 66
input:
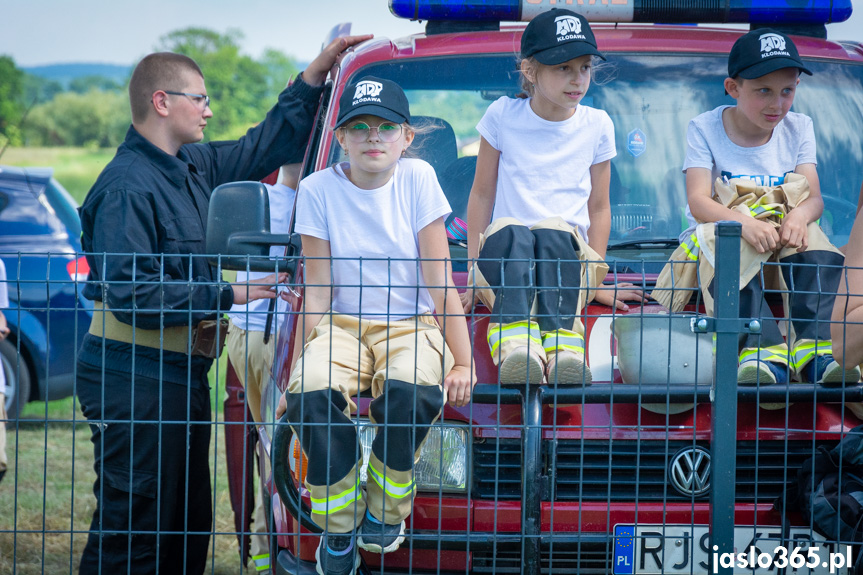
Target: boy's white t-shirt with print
column 373, row 239
column 708, row 146
column 544, row 167
column 253, row 315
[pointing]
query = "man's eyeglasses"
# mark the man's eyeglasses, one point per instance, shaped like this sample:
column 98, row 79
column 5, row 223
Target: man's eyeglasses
column 387, row 132
column 196, row 98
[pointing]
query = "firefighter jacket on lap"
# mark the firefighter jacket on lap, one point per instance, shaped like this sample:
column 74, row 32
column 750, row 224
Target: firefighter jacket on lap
column 808, row 280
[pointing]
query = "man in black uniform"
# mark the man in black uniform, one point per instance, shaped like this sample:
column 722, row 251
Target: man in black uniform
column 142, row 386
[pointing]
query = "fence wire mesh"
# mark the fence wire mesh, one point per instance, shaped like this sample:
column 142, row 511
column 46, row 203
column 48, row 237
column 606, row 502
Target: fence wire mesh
column 658, row 461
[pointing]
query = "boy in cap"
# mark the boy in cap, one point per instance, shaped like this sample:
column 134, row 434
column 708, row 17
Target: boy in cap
column 748, row 150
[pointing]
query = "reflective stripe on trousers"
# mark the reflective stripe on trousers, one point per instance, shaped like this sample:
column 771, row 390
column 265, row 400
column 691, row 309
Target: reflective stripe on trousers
column 799, row 356
column 563, row 339
column 804, row 352
column 328, row 505
column 390, row 487
column 525, row 330
column 262, row 562
column 774, row 353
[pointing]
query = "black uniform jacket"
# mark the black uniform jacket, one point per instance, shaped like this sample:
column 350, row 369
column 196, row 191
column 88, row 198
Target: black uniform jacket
column 144, row 227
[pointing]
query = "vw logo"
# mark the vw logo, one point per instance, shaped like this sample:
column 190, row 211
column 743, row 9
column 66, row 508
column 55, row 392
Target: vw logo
column 690, row 471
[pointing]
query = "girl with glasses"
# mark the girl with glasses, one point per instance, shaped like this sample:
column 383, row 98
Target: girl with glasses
column 376, row 273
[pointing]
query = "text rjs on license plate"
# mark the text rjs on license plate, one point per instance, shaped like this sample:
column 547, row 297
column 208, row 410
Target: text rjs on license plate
column 657, row 549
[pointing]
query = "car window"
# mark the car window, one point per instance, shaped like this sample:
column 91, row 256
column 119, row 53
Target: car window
column 651, row 98
column 28, row 211
column 64, row 206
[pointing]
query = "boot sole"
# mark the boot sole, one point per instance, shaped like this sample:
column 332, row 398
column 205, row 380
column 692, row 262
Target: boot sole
column 753, row 375
column 519, row 365
column 569, row 371
column 839, row 377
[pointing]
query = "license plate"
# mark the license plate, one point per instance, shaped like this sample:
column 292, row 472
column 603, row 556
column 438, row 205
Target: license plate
column 657, row 549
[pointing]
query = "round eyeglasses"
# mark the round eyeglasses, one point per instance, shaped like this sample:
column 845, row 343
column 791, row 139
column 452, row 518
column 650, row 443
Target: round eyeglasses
column 360, row 132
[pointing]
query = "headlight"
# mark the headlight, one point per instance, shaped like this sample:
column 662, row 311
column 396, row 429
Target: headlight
column 442, row 465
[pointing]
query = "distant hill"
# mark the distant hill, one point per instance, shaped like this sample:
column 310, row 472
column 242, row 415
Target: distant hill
column 64, row 73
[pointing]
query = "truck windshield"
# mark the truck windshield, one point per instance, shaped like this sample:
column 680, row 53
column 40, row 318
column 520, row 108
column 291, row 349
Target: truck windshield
column 651, row 98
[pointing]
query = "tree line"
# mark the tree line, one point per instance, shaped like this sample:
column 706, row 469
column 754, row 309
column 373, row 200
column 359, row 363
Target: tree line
column 94, row 111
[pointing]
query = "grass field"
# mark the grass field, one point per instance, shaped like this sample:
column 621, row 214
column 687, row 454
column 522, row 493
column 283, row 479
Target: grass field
column 46, row 498
column 75, row 168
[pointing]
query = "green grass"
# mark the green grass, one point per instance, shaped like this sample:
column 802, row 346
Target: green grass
column 75, row 168
column 46, row 498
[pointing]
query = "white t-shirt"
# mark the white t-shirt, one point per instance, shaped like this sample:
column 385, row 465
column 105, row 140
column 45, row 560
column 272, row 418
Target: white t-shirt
column 380, row 226
column 708, row 146
column 253, row 316
column 544, row 167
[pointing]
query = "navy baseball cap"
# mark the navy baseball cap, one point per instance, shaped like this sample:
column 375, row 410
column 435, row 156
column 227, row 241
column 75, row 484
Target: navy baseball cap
column 761, row 52
column 376, row 97
column 558, row 36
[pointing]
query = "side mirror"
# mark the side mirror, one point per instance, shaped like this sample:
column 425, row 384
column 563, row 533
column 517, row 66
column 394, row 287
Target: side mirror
column 238, row 230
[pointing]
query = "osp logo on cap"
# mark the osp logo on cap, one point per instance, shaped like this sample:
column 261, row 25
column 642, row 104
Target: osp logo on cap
column 367, row 91
column 568, row 28
column 772, row 45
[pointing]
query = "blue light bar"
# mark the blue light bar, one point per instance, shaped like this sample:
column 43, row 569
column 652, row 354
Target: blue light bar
column 476, row 10
column 689, row 11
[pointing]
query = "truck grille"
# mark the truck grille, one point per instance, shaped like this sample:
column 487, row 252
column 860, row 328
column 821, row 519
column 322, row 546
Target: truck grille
column 603, row 470
column 497, row 469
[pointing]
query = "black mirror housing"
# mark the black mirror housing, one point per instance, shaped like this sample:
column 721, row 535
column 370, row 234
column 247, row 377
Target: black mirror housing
column 238, row 230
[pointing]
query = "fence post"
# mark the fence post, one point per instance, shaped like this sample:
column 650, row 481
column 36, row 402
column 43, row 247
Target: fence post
column 723, row 419
column 531, row 479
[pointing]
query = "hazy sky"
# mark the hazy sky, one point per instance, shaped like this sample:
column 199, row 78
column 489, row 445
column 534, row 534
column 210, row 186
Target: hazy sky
column 38, row 32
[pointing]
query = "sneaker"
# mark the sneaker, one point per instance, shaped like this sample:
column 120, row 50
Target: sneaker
column 755, row 372
column 521, row 364
column 337, row 555
column 825, row 370
column 379, row 537
column 568, row 368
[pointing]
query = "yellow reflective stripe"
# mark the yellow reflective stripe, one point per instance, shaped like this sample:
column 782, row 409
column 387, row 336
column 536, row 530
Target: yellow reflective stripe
column 758, row 210
column 776, row 353
column 338, row 502
column 691, row 248
column 393, row 489
column 262, row 562
column 496, row 344
column 565, row 348
column 556, row 340
column 528, row 331
column 802, row 354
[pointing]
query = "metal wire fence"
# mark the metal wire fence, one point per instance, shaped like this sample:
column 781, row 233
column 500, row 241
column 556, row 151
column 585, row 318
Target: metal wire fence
column 664, row 463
